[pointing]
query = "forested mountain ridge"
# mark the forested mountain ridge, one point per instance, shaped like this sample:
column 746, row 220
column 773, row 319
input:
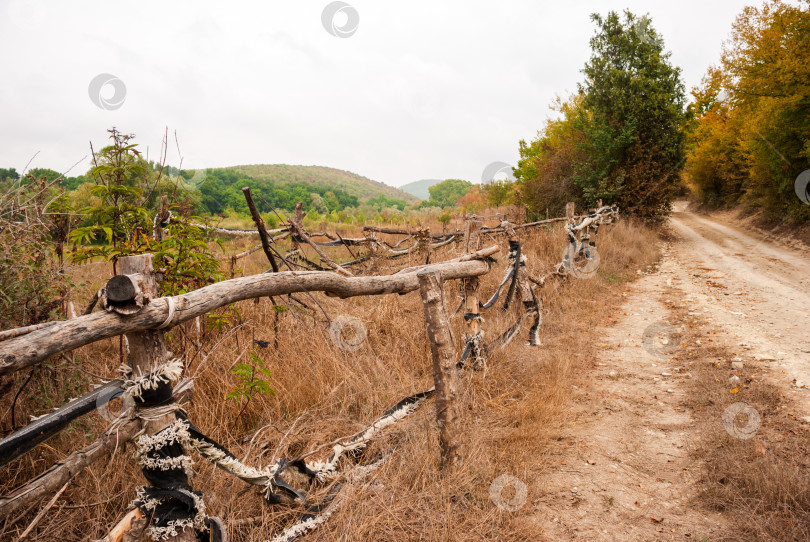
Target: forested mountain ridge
column 326, row 177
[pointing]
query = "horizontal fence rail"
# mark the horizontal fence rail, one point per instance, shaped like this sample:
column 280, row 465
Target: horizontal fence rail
column 26, row 350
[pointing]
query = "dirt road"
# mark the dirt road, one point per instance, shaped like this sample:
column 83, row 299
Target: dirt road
column 628, row 473
column 756, row 290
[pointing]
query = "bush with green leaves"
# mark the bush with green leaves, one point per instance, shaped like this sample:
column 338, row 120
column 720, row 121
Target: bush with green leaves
column 34, row 220
column 252, row 380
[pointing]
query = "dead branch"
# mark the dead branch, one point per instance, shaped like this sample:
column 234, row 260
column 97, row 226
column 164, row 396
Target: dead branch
column 297, row 225
column 257, row 219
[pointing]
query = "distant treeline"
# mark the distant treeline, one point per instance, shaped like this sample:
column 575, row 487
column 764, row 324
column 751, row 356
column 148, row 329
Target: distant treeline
column 218, row 191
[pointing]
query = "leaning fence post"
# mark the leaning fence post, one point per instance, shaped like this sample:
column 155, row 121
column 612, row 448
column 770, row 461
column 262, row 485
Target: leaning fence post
column 146, row 353
column 445, row 375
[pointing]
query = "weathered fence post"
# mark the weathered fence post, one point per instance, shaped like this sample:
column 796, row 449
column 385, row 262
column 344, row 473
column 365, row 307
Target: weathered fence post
column 570, row 210
column 147, row 350
column 445, row 374
column 146, row 353
column 472, row 315
column 161, row 217
column 423, row 243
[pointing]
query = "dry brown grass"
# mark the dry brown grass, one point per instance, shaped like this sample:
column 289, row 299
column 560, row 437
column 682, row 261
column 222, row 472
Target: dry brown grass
column 762, row 482
column 513, row 408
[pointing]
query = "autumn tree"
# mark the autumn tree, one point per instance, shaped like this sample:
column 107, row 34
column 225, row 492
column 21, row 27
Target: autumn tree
column 752, row 136
column 547, row 165
column 620, row 138
column 632, row 118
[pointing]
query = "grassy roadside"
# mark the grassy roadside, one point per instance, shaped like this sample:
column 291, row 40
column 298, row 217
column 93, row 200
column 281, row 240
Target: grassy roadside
column 755, row 450
column 515, row 407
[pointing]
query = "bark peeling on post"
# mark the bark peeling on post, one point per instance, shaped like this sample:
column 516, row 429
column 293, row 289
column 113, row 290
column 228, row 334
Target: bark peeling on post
column 445, row 374
column 122, row 430
column 147, row 352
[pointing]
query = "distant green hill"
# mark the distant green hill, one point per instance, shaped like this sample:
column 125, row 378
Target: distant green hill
column 350, row 183
column 420, row 188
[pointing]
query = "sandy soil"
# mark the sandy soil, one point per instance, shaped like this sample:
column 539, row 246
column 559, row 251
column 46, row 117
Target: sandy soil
column 627, row 473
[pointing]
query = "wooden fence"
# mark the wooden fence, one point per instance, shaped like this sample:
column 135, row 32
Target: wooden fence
column 130, row 306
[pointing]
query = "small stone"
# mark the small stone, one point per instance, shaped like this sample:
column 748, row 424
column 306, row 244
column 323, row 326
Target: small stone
column 734, row 380
column 666, row 374
column 612, row 374
column 737, row 365
column 670, row 391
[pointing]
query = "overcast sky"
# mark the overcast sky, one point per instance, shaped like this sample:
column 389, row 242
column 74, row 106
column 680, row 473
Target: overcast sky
column 420, row 89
